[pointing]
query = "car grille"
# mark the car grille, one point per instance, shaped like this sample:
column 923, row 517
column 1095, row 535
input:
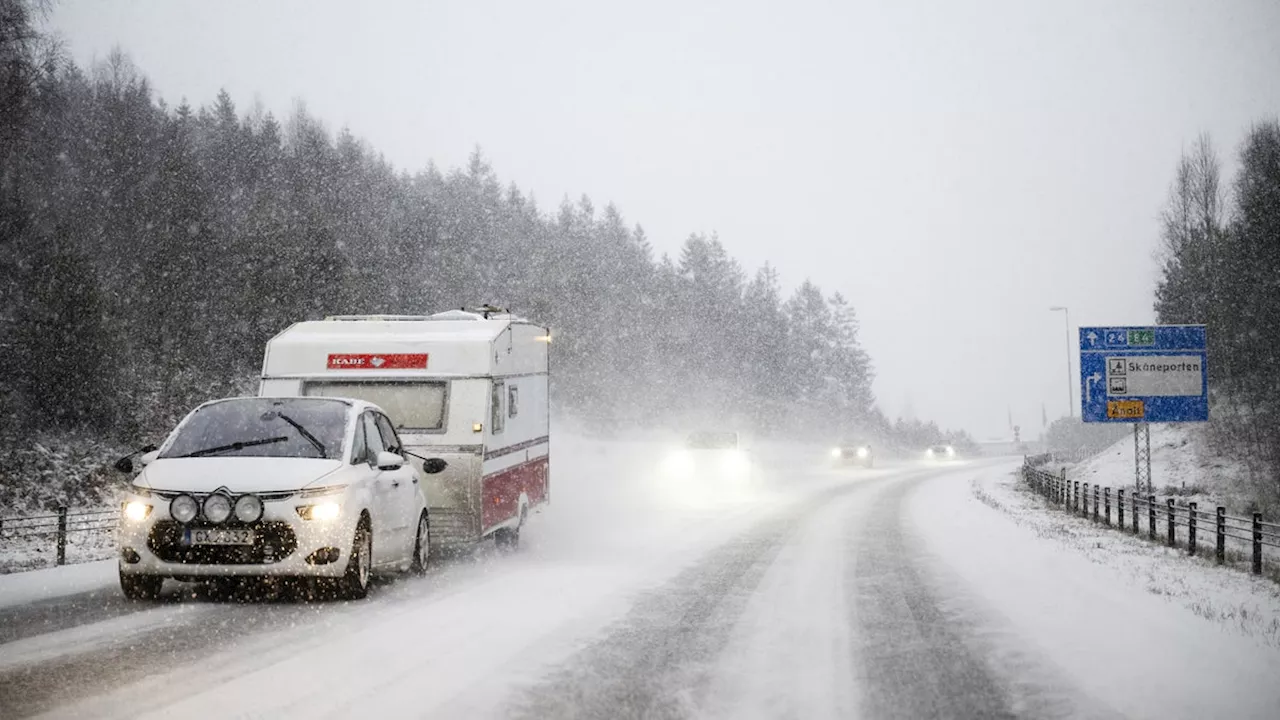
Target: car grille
column 200, row 496
column 273, row 541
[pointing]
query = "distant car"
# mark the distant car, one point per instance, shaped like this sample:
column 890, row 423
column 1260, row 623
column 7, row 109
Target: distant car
column 940, row 452
column 282, row 487
column 709, row 454
column 854, row 454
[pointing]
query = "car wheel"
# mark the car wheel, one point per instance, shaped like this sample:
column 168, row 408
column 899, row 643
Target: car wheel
column 355, row 583
column 507, row 539
column 422, row 545
column 141, row 587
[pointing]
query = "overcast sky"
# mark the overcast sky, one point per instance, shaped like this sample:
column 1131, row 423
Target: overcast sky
column 954, row 171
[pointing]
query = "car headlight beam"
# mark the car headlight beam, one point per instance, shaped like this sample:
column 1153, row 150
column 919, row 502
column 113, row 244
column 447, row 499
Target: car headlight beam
column 835, row 452
column 217, row 508
column 184, row 509
column 136, row 511
column 863, row 453
column 248, row 508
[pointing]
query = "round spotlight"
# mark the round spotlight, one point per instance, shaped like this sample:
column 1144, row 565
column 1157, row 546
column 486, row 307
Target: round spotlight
column 217, row 508
column 184, row 509
column 248, row 508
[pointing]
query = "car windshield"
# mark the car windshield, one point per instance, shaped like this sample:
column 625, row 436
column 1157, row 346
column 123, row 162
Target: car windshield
column 263, row 427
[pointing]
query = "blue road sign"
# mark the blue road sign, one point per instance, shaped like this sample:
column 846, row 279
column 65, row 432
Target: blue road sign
column 1143, row 374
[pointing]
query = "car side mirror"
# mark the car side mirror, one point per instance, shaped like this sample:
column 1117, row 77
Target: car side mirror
column 149, row 457
column 431, row 466
column 125, row 464
column 389, row 461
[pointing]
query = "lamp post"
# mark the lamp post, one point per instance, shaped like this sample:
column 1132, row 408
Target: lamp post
column 1066, row 322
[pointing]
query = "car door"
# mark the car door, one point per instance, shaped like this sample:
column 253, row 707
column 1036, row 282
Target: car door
column 383, row 505
column 406, row 500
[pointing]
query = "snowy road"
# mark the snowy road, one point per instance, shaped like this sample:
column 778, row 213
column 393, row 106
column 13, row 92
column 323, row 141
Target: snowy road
column 892, row 593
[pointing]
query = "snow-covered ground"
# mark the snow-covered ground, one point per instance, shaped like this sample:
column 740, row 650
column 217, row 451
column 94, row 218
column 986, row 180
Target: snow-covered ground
column 1180, row 463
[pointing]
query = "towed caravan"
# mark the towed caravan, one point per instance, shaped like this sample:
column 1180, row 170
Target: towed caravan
column 467, row 393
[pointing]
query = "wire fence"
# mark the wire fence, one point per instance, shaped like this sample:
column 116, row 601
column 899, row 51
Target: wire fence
column 1231, row 538
column 57, row 528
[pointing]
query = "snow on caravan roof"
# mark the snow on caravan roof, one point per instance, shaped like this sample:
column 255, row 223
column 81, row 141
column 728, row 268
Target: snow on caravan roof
column 456, row 343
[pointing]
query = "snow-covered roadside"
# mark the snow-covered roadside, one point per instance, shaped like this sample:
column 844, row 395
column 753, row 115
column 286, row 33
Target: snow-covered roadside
column 1117, row 623
column 1242, row 603
column 50, row 583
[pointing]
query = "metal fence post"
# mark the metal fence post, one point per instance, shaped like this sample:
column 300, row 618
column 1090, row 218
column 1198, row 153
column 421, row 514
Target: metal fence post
column 1134, row 500
column 1120, row 508
column 1151, row 516
column 1085, row 491
column 1220, row 554
column 1075, row 496
column 1095, row 502
column 1173, row 534
column 1065, row 495
column 1191, row 528
column 62, row 534
column 1257, row 543
column 1106, row 514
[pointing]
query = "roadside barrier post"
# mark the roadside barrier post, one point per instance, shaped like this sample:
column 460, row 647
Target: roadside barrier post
column 1191, row 528
column 1106, row 497
column 1120, row 509
column 1095, row 502
column 62, row 534
column 1173, row 535
column 1257, row 543
column 1151, row 516
column 1134, row 500
column 1220, row 553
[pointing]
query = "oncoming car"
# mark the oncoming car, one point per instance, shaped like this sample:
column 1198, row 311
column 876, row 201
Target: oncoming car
column 279, row 487
column 857, row 454
column 940, row 452
column 712, row 455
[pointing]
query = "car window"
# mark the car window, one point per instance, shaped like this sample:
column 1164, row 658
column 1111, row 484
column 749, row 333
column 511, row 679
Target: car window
column 372, row 435
column 359, row 448
column 389, row 439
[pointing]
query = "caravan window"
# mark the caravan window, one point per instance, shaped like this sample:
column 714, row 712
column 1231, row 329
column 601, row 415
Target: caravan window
column 513, row 401
column 412, row 406
column 496, row 417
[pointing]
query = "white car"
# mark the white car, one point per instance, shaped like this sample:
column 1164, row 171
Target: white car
column 280, row 487
column 709, row 455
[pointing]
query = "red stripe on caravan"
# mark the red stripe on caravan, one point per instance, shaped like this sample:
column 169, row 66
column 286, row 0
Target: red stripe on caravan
column 502, row 490
column 387, row 361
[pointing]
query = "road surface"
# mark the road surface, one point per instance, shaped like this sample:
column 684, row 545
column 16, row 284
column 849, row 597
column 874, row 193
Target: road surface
column 890, row 593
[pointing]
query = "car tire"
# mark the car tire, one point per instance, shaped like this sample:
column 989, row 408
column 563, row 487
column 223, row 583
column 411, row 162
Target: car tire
column 355, row 582
column 141, row 587
column 421, row 545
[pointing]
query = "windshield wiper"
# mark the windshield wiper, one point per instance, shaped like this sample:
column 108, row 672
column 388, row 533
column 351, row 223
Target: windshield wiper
column 303, row 431
column 234, row 446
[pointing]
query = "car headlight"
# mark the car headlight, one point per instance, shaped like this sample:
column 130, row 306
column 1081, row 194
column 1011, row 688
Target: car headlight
column 835, row 452
column 320, row 511
column 734, row 462
column 217, row 508
column 951, row 451
column 136, row 510
column 929, row 452
column 322, row 491
column 248, row 508
column 184, row 509
column 863, row 453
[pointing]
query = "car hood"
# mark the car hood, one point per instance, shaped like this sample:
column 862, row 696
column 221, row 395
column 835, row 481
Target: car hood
column 237, row 474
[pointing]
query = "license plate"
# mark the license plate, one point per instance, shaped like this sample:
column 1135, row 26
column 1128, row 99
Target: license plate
column 218, row 536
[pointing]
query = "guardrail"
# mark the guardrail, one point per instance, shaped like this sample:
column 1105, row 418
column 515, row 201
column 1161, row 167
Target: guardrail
column 58, row 526
column 1162, row 520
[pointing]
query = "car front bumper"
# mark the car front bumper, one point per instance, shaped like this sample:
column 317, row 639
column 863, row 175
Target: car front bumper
column 285, row 545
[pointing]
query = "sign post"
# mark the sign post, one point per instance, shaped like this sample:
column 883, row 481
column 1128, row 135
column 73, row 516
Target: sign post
column 1143, row 375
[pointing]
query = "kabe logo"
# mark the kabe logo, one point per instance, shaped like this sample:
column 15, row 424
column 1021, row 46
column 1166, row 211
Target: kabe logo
column 389, row 361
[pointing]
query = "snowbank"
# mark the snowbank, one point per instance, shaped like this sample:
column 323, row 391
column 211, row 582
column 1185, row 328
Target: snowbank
column 1180, row 464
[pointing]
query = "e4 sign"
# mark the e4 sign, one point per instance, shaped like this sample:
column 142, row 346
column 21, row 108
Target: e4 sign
column 1144, row 374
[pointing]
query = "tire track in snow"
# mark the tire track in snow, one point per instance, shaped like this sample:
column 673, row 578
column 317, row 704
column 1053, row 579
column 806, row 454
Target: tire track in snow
column 659, row 660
